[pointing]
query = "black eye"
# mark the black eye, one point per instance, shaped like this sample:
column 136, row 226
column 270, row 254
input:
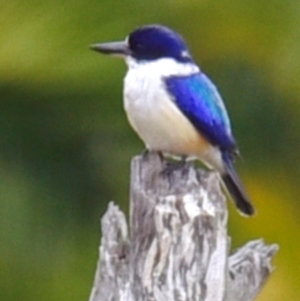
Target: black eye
column 138, row 46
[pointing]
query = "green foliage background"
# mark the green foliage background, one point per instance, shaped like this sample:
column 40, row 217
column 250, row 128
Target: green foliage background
column 65, row 144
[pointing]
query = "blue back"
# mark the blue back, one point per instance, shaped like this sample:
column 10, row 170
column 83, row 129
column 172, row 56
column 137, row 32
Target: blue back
column 199, row 100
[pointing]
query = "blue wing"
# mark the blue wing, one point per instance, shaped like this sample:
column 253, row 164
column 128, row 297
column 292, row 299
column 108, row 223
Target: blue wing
column 198, row 98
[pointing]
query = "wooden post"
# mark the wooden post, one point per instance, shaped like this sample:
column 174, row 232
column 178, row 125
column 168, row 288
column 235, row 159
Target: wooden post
column 178, row 245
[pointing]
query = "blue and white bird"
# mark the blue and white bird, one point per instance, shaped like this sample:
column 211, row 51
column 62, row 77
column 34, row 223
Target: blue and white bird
column 173, row 106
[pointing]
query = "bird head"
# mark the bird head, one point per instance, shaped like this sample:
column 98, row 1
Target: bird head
column 148, row 43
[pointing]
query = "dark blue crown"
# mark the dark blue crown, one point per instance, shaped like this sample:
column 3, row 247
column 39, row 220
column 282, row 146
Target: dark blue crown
column 152, row 42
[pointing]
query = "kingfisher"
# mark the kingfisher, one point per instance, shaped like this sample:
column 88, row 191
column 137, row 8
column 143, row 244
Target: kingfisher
column 174, row 107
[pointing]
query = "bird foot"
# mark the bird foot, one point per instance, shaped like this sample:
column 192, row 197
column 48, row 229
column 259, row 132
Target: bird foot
column 171, row 166
column 146, row 153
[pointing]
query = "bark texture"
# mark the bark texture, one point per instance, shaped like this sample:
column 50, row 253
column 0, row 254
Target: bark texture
column 178, row 248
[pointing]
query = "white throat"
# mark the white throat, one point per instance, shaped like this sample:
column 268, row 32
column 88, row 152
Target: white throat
column 161, row 67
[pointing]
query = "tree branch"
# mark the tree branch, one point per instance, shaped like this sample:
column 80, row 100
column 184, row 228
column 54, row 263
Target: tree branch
column 178, row 247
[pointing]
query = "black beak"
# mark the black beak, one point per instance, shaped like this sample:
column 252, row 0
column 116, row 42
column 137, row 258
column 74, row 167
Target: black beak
column 117, row 48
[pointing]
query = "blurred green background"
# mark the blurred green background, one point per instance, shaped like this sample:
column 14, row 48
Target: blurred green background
column 66, row 146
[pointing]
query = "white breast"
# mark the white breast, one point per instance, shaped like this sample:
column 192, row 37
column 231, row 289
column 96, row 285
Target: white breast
column 157, row 119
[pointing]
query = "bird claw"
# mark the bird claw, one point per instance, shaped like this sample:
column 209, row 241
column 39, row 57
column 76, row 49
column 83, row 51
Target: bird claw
column 171, row 166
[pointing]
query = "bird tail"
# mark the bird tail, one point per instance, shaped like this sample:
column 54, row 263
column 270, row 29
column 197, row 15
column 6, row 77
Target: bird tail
column 235, row 188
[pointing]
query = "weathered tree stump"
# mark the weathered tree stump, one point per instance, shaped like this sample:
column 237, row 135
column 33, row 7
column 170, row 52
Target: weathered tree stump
column 178, row 245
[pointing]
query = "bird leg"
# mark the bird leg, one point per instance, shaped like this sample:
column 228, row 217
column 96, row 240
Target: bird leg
column 170, row 166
